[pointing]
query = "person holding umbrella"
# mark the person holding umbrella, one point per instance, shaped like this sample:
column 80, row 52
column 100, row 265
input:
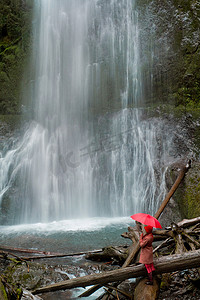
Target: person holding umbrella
column 146, row 254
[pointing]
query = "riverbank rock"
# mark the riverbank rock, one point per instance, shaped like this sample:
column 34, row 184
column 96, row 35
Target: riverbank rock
column 3, row 295
column 146, row 292
column 33, row 275
column 28, row 296
column 182, row 285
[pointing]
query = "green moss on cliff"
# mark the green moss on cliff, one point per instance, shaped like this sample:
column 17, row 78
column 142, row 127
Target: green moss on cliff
column 191, row 197
column 188, row 193
column 15, row 32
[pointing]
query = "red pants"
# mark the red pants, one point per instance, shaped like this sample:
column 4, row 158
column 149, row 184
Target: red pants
column 150, row 267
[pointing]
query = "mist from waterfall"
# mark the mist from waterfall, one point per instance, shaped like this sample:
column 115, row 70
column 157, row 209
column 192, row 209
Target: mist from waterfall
column 87, row 151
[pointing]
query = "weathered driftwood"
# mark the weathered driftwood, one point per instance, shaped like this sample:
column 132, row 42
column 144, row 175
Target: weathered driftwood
column 90, row 291
column 132, row 234
column 163, row 244
column 189, row 222
column 162, row 234
column 191, row 240
column 159, row 235
column 110, row 287
column 131, row 255
column 60, row 255
column 163, row 264
column 182, row 236
column 109, row 254
column 8, row 248
column 45, row 254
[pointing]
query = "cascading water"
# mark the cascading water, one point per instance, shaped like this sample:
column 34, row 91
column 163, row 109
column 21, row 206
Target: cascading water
column 87, row 152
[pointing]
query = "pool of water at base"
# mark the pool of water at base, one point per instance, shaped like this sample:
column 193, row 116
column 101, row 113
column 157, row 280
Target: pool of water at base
column 67, row 236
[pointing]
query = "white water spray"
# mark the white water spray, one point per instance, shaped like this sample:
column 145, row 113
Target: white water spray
column 86, row 153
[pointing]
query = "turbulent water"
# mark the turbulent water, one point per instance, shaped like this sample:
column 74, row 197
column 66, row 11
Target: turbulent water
column 87, row 151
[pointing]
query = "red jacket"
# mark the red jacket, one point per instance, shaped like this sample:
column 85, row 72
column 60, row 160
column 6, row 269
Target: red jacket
column 146, row 255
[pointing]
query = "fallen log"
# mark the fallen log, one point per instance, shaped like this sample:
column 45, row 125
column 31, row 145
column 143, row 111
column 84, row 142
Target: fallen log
column 131, row 255
column 8, row 248
column 191, row 240
column 128, row 296
column 109, row 254
column 45, row 254
column 132, row 234
column 163, row 264
column 188, row 222
column 173, row 189
column 163, row 244
column 90, row 291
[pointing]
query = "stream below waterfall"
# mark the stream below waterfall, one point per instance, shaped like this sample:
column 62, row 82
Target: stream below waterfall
column 67, row 236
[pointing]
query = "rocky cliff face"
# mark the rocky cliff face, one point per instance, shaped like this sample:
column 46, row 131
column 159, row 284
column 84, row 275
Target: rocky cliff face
column 171, row 51
column 170, row 57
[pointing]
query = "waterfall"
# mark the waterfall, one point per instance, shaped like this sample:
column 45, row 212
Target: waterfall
column 87, row 150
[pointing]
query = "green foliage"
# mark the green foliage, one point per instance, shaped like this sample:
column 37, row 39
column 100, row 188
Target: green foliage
column 3, row 291
column 15, row 33
column 189, row 97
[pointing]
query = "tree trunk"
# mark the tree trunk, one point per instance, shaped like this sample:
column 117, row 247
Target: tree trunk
column 163, row 264
column 132, row 255
column 173, row 189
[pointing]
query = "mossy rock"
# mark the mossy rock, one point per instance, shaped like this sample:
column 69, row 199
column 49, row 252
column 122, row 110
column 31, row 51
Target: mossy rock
column 187, row 196
column 33, row 275
column 3, row 294
column 190, row 206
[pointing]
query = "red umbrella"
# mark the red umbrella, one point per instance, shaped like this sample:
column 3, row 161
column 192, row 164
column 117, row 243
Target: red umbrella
column 146, row 220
